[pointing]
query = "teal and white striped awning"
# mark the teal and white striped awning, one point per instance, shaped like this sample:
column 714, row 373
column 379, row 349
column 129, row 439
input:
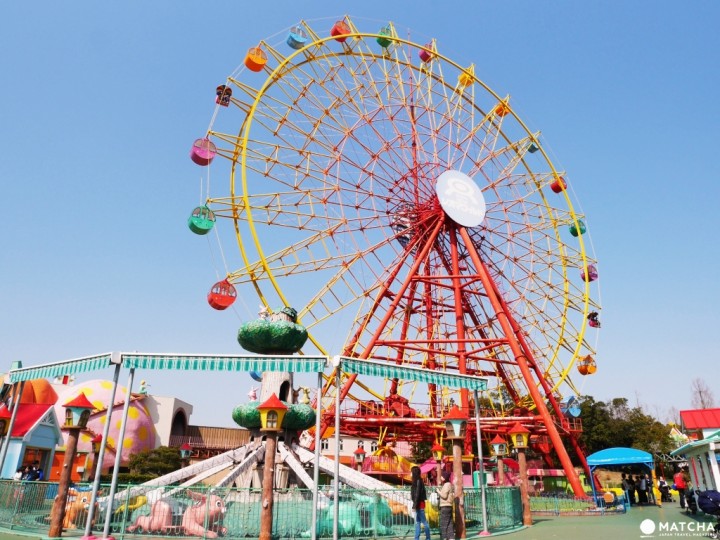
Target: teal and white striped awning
column 711, row 440
column 66, row 367
column 201, row 362
column 375, row 368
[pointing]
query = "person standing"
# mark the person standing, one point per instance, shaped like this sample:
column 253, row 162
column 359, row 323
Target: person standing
column 446, row 495
column 641, row 488
column 418, row 495
column 625, row 487
column 681, row 479
column 631, row 489
column 649, row 489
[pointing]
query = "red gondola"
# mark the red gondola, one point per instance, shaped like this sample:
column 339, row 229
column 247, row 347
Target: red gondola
column 558, row 185
column 340, row 31
column 222, row 295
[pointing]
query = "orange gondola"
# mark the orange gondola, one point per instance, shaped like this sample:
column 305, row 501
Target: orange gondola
column 255, row 59
column 587, row 365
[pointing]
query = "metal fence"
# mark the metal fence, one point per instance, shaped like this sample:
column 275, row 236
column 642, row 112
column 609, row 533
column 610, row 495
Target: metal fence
column 235, row 512
column 562, row 504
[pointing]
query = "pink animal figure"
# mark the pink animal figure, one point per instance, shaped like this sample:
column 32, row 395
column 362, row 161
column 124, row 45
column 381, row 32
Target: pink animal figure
column 194, row 518
column 159, row 519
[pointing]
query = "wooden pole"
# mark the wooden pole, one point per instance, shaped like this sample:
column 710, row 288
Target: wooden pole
column 266, row 512
column 57, row 514
column 459, row 496
column 524, row 491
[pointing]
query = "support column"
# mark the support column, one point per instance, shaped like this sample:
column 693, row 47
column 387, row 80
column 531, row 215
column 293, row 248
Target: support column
column 57, row 514
column 505, row 318
column 524, row 491
column 266, row 512
column 459, row 502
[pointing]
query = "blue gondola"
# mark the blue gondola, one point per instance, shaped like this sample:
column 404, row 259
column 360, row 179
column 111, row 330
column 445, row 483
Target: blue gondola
column 297, row 38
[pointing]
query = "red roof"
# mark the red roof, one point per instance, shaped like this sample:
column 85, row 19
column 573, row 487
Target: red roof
column 80, row 401
column 27, row 416
column 273, row 402
column 700, row 419
column 455, row 414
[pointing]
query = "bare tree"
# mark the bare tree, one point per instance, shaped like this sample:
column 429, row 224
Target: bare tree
column 702, row 396
column 673, row 416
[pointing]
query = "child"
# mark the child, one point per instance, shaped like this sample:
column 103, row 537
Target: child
column 447, row 499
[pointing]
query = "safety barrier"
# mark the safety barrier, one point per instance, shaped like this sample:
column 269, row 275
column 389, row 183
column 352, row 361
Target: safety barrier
column 562, row 504
column 26, row 506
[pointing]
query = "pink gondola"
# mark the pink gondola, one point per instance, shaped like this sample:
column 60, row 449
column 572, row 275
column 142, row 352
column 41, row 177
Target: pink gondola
column 203, row 151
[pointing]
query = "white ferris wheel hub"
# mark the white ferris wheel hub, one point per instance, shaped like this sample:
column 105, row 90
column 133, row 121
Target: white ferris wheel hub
column 460, row 198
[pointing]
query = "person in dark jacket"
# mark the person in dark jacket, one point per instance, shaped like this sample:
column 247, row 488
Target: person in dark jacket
column 419, row 496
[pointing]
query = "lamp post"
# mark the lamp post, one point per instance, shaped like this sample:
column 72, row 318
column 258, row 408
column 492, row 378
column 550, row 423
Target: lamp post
column 359, row 458
column 455, row 429
column 499, row 445
column 437, row 451
column 272, row 412
column 520, row 437
column 77, row 414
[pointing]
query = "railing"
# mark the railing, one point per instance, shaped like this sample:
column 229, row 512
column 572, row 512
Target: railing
column 26, row 506
column 561, row 504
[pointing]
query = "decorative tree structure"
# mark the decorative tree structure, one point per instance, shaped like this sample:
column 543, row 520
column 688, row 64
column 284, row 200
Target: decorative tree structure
column 277, row 333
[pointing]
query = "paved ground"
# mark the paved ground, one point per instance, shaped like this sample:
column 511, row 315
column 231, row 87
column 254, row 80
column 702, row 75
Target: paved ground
column 667, row 522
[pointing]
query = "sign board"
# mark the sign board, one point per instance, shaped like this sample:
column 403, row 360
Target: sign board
column 461, row 198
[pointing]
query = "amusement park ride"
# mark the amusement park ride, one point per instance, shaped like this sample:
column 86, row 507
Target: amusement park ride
column 411, row 217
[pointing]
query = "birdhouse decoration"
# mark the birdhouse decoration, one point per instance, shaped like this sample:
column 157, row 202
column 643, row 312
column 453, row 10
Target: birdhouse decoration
column 520, row 436
column 500, row 446
column 437, row 451
column 4, row 421
column 96, row 443
column 272, row 413
column 77, row 412
column 455, row 424
column 359, row 457
column 185, row 450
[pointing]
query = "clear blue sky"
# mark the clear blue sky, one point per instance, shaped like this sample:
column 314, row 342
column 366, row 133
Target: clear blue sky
column 100, row 102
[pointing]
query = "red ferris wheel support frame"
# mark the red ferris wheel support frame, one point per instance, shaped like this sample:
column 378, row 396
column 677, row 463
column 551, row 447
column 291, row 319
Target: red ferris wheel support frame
column 435, row 224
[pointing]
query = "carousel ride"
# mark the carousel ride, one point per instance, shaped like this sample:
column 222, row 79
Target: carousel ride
column 410, row 215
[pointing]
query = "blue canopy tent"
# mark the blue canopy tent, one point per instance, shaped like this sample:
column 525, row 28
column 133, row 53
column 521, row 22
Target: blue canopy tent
column 618, row 456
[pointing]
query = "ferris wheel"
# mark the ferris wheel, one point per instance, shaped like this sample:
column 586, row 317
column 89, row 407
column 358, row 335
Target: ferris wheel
column 405, row 210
